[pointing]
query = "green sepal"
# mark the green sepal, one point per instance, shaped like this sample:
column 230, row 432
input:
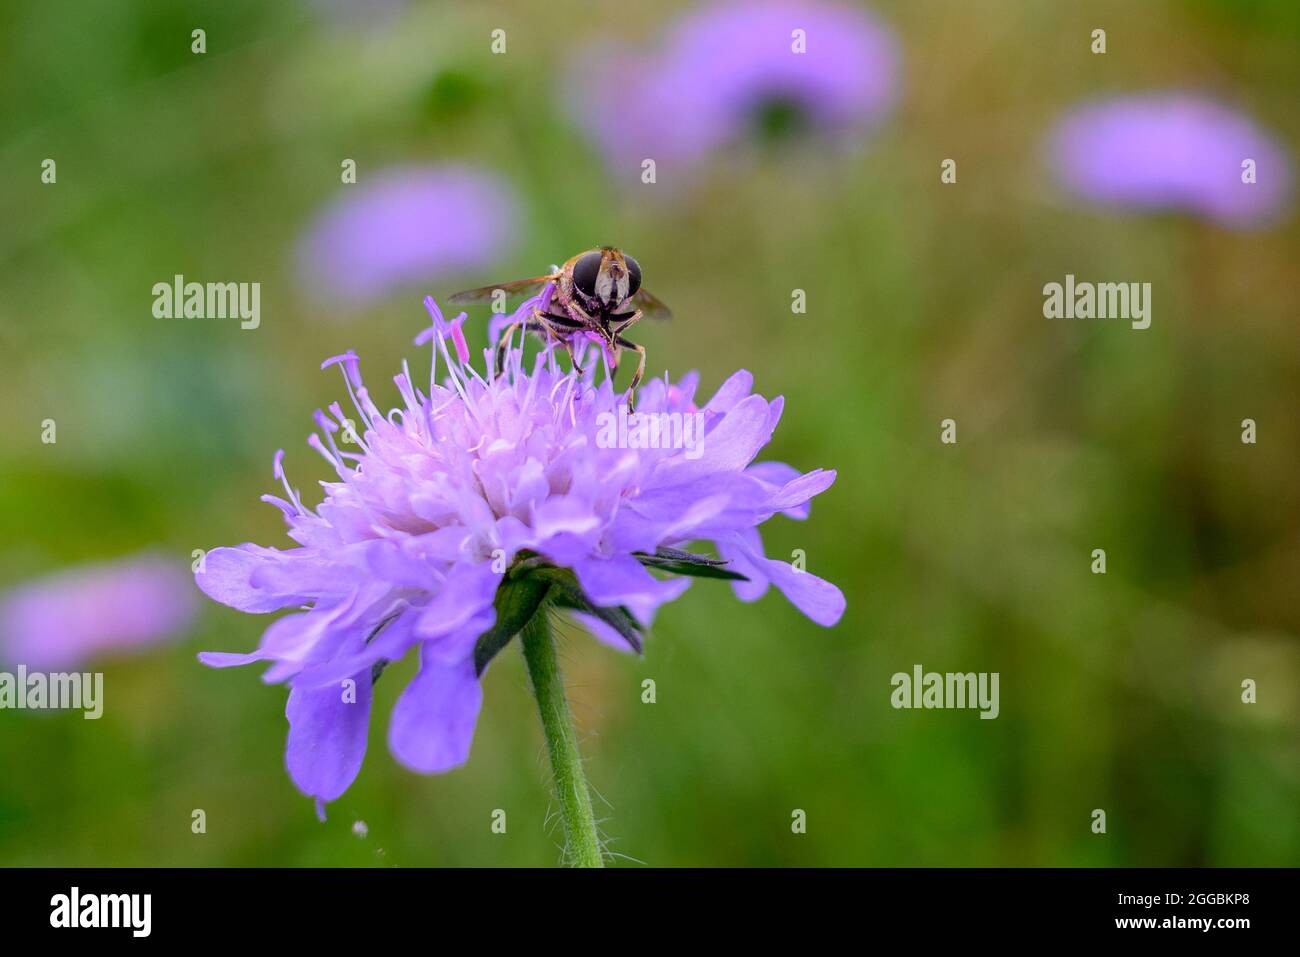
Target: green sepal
column 678, row 562
column 568, row 594
column 516, row 601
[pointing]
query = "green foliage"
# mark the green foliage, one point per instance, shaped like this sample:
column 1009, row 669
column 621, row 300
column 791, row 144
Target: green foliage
column 1119, row 691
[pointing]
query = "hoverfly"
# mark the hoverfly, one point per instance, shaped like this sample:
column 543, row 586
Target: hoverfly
column 597, row 291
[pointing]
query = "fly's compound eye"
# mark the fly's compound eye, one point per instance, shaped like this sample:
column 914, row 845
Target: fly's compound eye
column 585, row 272
column 633, row 275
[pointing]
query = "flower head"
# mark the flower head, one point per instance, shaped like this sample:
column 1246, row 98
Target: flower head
column 59, row 621
column 1174, row 151
column 405, row 225
column 732, row 67
column 465, row 504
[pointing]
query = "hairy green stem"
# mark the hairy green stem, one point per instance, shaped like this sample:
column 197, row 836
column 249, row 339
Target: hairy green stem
column 582, row 844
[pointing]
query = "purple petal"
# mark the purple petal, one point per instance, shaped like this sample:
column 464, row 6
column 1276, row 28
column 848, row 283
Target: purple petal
column 433, row 722
column 359, row 652
column 643, row 529
column 738, row 558
column 302, row 573
column 226, row 576
column 622, row 580
column 729, row 446
column 602, row 632
column 566, row 515
column 226, row 659
column 401, row 563
column 815, row 597
column 795, row 494
column 293, row 636
column 773, row 473
column 461, row 611
column 287, row 641
column 737, row 387
column 566, row 528
column 778, row 474
column 327, row 736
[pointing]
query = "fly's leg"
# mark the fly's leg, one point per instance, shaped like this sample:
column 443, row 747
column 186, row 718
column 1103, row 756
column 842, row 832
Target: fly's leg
column 619, row 341
column 554, row 325
column 624, row 321
column 619, row 324
column 564, row 327
column 536, row 322
column 503, row 345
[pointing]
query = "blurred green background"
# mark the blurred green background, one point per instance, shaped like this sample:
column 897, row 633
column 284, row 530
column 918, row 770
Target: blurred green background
column 1119, row 692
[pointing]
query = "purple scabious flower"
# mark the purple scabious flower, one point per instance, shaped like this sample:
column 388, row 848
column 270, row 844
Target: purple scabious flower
column 734, row 65
column 454, row 507
column 1171, row 151
column 57, row 622
column 402, row 226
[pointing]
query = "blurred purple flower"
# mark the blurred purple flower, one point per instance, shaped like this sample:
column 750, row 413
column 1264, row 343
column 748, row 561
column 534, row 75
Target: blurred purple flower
column 723, row 65
column 1171, row 151
column 415, row 541
column 405, row 225
column 57, row 622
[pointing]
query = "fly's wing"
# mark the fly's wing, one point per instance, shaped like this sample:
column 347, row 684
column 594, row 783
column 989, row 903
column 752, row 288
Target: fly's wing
column 485, row 293
column 651, row 307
